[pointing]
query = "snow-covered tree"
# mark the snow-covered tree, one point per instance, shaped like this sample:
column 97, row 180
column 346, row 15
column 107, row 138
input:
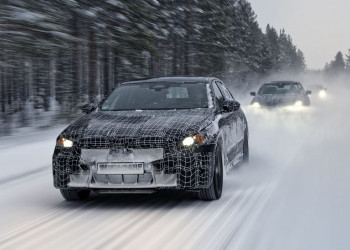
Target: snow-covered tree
column 337, row 66
column 347, row 62
column 68, row 52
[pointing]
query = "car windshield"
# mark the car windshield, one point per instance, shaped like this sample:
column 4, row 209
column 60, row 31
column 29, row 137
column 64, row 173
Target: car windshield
column 157, row 95
column 279, row 88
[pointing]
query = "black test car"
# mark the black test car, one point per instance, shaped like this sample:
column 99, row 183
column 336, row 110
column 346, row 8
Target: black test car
column 163, row 133
column 281, row 93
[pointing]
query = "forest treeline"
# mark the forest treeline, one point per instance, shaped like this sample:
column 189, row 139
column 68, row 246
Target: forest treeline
column 340, row 66
column 58, row 54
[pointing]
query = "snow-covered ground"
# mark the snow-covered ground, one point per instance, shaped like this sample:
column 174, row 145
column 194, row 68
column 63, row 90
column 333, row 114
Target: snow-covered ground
column 293, row 195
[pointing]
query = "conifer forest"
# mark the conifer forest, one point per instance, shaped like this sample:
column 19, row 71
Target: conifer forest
column 56, row 55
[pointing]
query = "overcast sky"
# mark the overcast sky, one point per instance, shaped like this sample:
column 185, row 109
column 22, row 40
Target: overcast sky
column 320, row 28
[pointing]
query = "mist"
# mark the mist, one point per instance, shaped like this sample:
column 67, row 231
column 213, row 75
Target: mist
column 304, row 156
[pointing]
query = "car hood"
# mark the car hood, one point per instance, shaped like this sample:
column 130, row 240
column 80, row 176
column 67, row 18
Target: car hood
column 277, row 99
column 131, row 124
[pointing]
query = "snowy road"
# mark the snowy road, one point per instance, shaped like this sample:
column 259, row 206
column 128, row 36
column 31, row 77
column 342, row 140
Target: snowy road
column 295, row 194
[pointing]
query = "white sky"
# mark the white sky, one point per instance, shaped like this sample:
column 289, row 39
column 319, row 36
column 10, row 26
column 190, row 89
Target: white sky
column 320, row 28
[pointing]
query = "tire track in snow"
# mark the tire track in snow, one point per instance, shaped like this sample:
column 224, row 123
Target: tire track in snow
column 56, row 217
column 149, row 222
column 108, row 221
column 30, row 224
column 29, row 231
column 211, row 227
column 169, row 231
column 106, row 233
column 240, row 236
column 234, row 236
column 124, row 238
column 200, row 220
column 65, row 225
column 23, row 175
column 117, row 232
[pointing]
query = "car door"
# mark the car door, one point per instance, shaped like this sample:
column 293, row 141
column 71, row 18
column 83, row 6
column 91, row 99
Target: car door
column 236, row 130
column 306, row 99
column 226, row 125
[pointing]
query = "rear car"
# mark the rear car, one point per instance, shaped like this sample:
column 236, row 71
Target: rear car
column 320, row 90
column 165, row 133
column 281, row 94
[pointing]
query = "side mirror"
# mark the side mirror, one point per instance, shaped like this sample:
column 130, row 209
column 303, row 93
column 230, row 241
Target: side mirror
column 230, row 106
column 308, row 92
column 253, row 93
column 87, row 108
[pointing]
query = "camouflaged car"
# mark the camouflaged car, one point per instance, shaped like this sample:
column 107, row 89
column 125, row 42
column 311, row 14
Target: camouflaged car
column 164, row 133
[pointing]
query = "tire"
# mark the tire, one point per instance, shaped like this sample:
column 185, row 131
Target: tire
column 245, row 148
column 75, row 195
column 214, row 191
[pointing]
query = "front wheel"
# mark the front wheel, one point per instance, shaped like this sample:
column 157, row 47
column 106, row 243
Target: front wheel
column 214, row 191
column 75, row 195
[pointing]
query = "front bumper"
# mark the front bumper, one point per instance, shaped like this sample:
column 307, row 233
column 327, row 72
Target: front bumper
column 189, row 168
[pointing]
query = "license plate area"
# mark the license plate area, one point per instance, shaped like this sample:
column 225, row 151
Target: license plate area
column 120, row 168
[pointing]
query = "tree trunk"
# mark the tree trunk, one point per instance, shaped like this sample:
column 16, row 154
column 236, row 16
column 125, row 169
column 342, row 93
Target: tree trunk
column 92, row 66
column 175, row 62
column 106, row 65
column 116, row 64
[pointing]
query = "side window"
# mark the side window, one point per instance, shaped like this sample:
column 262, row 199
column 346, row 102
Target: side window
column 218, row 96
column 300, row 88
column 225, row 92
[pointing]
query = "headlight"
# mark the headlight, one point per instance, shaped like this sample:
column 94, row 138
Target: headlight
column 65, row 142
column 189, row 141
column 298, row 104
column 256, row 105
column 322, row 93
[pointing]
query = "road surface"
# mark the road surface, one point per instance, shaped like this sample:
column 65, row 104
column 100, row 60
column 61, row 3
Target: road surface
column 295, row 194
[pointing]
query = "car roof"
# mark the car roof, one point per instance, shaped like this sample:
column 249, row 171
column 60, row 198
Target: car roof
column 175, row 79
column 281, row 82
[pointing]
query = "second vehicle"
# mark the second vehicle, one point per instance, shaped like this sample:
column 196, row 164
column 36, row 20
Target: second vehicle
column 281, row 93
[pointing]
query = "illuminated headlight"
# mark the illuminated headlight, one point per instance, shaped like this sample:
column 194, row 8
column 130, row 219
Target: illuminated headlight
column 298, row 104
column 65, row 143
column 189, row 141
column 256, row 105
column 322, row 94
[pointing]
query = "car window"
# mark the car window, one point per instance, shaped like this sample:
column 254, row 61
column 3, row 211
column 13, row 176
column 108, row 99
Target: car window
column 225, row 91
column 268, row 89
column 279, row 88
column 157, row 95
column 218, row 96
column 300, row 87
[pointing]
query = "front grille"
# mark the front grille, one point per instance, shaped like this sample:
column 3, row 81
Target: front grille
column 141, row 142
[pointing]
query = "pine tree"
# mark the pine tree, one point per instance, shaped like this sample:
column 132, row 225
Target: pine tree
column 338, row 65
column 347, row 62
column 272, row 47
